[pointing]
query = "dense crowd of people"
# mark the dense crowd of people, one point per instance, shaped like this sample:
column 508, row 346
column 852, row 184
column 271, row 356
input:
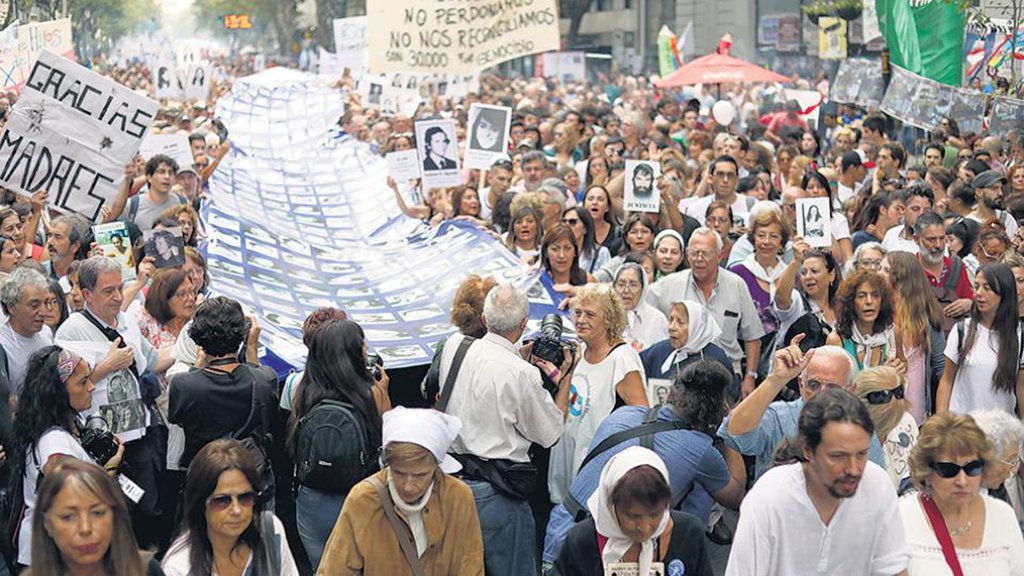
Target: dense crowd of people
column 858, row 400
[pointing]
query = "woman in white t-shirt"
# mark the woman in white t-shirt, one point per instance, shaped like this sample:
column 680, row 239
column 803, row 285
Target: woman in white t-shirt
column 608, row 374
column 983, row 355
column 58, row 387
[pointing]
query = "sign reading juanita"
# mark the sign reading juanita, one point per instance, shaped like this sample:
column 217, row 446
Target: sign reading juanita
column 72, row 132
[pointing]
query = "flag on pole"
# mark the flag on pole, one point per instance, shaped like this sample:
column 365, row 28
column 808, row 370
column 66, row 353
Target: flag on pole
column 668, row 52
column 925, row 37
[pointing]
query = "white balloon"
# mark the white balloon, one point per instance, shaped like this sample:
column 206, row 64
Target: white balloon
column 724, row 112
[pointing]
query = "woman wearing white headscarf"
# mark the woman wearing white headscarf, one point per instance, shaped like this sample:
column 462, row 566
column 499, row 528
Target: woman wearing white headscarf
column 645, row 324
column 631, row 526
column 435, row 512
column 692, row 331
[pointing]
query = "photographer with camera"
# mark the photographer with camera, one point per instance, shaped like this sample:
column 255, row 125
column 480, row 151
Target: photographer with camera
column 500, row 399
column 58, row 387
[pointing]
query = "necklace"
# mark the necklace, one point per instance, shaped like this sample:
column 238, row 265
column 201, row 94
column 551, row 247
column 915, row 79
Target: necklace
column 961, row 530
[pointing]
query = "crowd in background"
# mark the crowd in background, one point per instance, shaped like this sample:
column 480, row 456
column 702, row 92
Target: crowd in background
column 855, row 391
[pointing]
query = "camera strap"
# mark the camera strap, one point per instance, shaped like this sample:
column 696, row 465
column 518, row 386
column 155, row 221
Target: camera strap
column 112, row 334
column 453, row 372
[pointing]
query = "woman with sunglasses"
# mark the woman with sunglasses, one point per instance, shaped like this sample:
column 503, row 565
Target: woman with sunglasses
column 883, row 390
column 224, row 529
column 983, row 352
column 592, row 255
column 950, row 527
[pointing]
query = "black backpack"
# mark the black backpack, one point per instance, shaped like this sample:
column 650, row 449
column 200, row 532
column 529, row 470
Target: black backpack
column 333, row 450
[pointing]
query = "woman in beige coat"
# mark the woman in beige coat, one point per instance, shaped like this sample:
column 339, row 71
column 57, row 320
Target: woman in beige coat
column 412, row 511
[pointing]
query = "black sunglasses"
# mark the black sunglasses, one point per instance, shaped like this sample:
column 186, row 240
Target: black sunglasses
column 884, row 396
column 571, row 221
column 951, row 470
column 223, row 501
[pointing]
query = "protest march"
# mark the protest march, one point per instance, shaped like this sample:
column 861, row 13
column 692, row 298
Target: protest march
column 511, row 288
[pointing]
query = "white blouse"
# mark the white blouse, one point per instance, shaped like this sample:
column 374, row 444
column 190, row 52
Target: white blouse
column 1002, row 545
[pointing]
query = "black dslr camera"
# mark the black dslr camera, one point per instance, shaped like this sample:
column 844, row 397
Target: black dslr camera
column 98, row 441
column 373, row 364
column 548, row 344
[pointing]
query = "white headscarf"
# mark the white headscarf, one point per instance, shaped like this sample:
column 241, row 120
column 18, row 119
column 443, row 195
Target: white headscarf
column 703, row 330
column 430, row 429
column 600, row 506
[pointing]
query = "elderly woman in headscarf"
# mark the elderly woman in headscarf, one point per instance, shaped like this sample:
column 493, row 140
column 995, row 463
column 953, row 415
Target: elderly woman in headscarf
column 645, row 325
column 692, row 331
column 412, row 511
column 632, row 528
column 1006, row 432
column 883, row 390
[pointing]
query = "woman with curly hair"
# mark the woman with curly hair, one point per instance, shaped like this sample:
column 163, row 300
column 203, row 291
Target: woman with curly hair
column 919, row 325
column 864, row 327
column 609, row 374
column 58, row 386
column 186, row 217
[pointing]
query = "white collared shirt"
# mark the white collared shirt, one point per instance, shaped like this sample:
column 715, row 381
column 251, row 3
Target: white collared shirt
column 500, row 399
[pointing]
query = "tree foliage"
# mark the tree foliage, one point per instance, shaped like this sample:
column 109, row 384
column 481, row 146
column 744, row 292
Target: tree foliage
column 271, row 18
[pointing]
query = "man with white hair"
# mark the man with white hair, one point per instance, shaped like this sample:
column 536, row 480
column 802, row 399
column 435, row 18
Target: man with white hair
column 757, row 424
column 726, row 297
column 24, row 298
column 503, row 406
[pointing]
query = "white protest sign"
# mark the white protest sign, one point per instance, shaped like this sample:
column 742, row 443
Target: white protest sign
column 259, row 63
column 174, row 145
column 813, row 221
column 20, row 46
column 72, row 132
column 439, row 153
column 566, row 66
column 197, row 82
column 351, row 45
column 641, row 194
column 458, row 37
column 188, row 52
column 807, row 99
column 404, row 165
column 487, row 135
column 329, row 67
column 165, row 80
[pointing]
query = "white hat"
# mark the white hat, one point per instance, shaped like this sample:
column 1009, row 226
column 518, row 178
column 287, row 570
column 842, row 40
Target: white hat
column 430, row 429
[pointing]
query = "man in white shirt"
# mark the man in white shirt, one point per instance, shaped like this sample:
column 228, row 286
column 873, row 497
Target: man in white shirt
column 24, row 296
column 724, row 179
column 504, row 408
column 833, row 514
column 853, row 173
column 917, row 198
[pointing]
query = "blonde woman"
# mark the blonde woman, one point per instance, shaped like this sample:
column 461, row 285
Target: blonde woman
column 883, row 390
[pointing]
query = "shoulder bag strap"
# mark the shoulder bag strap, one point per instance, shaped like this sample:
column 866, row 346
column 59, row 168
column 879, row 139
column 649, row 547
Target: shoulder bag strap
column 246, row 427
column 453, row 372
column 402, row 531
column 648, row 429
column 647, row 440
column 938, row 525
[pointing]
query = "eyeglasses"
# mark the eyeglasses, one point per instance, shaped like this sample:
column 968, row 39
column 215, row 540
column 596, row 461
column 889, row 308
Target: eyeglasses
column 223, row 501
column 951, row 470
column 815, row 385
column 571, row 221
column 1014, row 465
column 631, row 286
column 726, row 175
column 870, row 263
column 884, row 396
column 699, row 254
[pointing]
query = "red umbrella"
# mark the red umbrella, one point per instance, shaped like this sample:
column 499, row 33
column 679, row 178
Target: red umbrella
column 718, row 69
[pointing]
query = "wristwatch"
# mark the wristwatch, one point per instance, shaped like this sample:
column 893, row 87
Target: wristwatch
column 752, row 374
